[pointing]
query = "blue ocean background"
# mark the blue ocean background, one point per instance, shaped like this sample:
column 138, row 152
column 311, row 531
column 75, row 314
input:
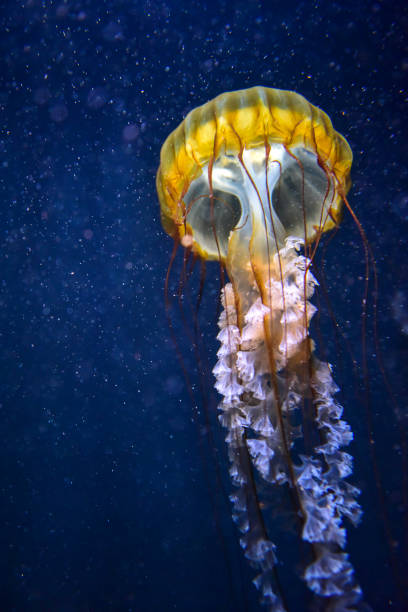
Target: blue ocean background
column 114, row 477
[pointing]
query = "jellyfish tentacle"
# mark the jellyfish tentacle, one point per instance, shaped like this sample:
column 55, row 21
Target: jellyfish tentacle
column 259, row 550
column 327, row 497
column 253, row 415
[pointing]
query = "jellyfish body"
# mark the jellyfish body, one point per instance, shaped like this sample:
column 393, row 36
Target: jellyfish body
column 252, row 179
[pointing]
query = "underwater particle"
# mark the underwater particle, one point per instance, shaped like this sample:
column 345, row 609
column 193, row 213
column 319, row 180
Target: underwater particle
column 399, row 206
column 97, row 97
column 41, row 96
column 130, row 132
column 58, row 112
column 173, row 385
column 399, row 308
column 62, row 11
column 113, row 32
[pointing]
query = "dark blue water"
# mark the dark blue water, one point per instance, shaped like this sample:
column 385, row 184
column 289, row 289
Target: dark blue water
column 110, row 498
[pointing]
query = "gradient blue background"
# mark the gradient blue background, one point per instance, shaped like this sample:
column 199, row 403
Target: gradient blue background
column 109, row 495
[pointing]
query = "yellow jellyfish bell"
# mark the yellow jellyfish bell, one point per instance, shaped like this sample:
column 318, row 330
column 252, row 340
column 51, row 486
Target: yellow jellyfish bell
column 252, row 179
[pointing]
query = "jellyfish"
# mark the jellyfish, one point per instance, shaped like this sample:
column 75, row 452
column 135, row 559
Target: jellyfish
column 253, row 179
